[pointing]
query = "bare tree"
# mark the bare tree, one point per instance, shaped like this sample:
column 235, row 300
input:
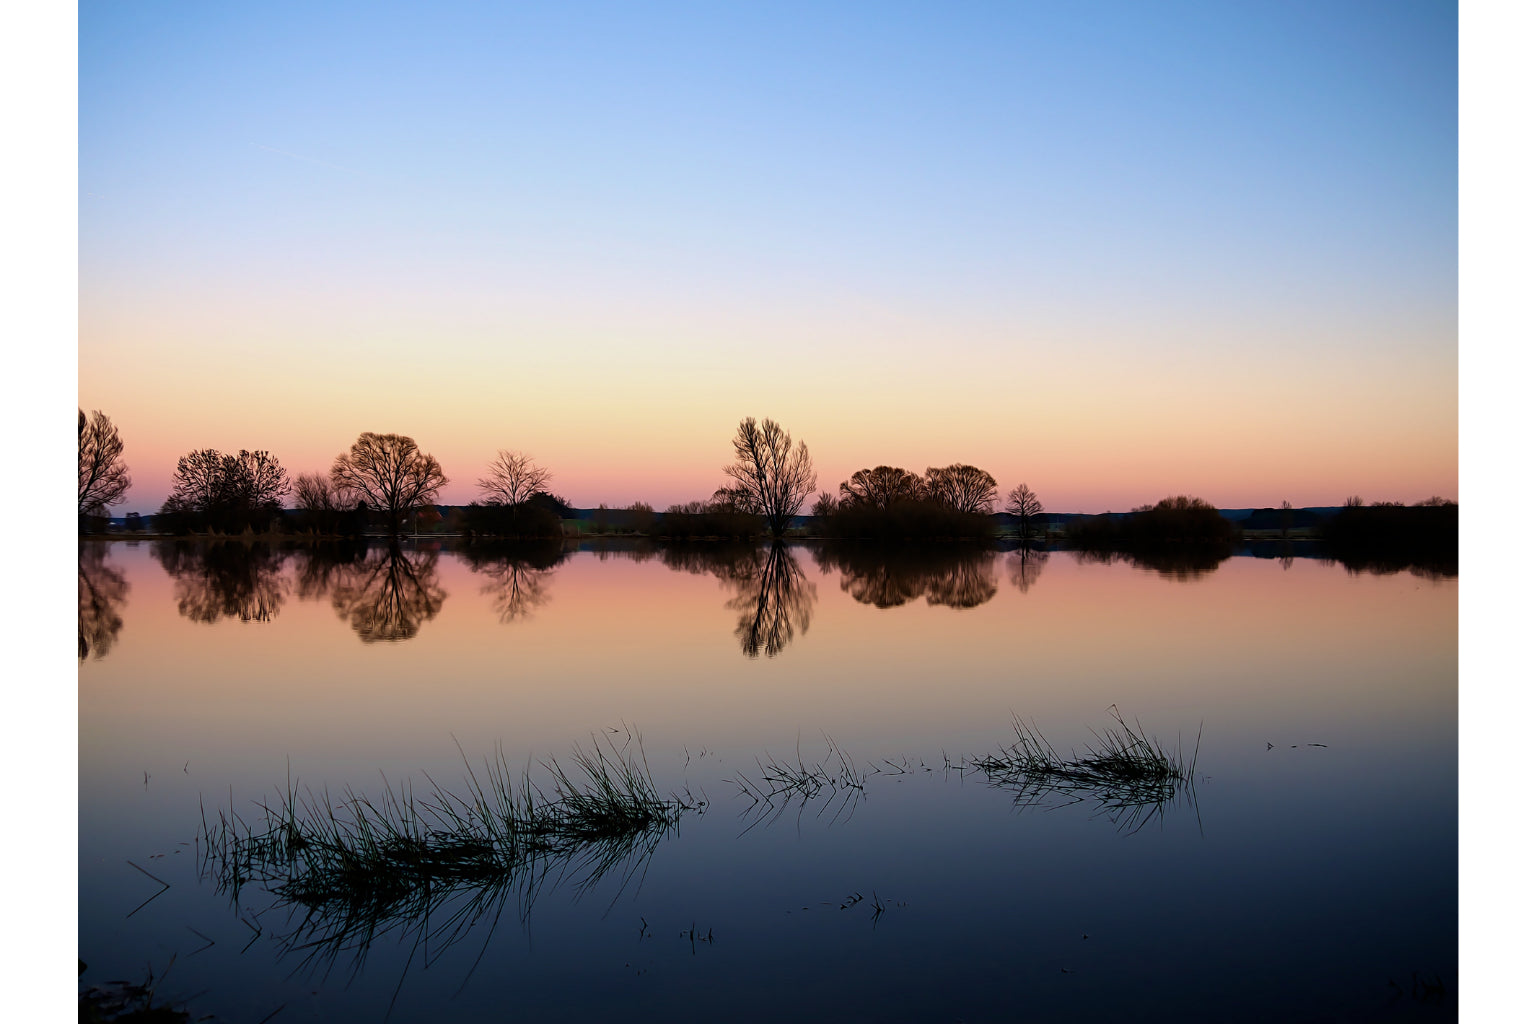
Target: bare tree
column 196, row 492
column 514, row 478
column 104, row 478
column 1025, row 504
column 314, row 492
column 882, row 487
column 961, row 488
column 227, row 492
column 773, row 475
column 389, row 474
column 256, row 481
column 318, row 501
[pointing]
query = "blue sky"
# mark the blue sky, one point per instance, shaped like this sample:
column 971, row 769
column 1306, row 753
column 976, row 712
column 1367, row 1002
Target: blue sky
column 1102, row 248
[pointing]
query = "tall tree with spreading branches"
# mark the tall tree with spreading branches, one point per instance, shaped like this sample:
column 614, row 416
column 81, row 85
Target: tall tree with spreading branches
column 1025, row 504
column 772, row 474
column 513, row 478
column 389, row 474
column 104, row 478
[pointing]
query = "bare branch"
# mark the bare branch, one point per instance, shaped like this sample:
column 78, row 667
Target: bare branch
column 104, row 478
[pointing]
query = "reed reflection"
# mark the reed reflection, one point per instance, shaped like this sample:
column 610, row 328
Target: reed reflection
column 225, row 579
column 434, row 866
column 389, row 593
column 103, row 592
column 518, row 576
column 773, row 599
column 960, row 577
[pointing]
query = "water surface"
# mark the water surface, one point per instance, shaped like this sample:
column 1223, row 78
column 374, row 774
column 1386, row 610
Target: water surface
column 1311, row 874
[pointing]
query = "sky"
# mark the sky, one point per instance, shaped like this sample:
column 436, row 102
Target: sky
column 1116, row 251
column 1037, row 213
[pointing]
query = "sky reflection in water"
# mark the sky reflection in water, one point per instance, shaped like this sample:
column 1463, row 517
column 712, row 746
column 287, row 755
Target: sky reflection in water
column 1304, row 879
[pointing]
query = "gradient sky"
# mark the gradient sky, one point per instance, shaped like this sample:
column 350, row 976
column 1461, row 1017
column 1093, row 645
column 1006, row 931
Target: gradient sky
column 1115, row 250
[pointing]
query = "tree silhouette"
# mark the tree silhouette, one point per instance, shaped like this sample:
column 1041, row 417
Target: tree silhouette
column 103, row 592
column 388, row 474
column 773, row 476
column 1025, row 504
column 513, row 478
column 321, row 506
column 961, row 488
column 225, row 492
column 882, row 488
column 104, row 478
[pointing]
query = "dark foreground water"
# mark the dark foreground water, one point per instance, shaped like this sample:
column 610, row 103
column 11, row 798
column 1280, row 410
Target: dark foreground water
column 1307, row 873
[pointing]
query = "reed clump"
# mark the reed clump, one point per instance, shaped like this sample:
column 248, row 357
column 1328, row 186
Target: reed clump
column 381, row 854
column 778, row 784
column 1130, row 774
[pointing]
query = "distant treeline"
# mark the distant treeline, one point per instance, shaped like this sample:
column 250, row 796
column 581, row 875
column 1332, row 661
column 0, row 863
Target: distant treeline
column 1181, row 521
column 386, row 483
column 1388, row 536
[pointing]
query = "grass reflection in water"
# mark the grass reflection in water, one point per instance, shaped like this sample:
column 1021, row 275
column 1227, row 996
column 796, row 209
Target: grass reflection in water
column 1131, row 776
column 440, row 862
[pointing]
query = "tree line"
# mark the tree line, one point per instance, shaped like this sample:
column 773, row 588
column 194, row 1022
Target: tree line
column 388, row 479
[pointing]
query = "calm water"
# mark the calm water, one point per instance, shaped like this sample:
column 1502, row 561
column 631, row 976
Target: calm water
column 1308, row 873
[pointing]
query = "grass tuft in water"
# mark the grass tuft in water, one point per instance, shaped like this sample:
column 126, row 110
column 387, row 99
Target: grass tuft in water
column 1130, row 774
column 778, row 784
column 359, row 865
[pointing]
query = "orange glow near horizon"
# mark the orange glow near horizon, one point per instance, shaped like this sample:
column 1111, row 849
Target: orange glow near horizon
column 617, row 429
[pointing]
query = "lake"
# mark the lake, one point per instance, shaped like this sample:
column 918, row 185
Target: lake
column 814, row 721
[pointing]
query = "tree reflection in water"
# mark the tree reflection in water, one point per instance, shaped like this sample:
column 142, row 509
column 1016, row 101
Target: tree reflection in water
column 103, row 592
column 388, row 594
column 772, row 599
column 1174, row 563
column 229, row 579
column 518, row 576
column 772, row 603
column 320, row 567
column 957, row 577
column 1025, row 570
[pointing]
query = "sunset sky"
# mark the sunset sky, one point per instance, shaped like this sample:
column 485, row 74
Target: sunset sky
column 1115, row 250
